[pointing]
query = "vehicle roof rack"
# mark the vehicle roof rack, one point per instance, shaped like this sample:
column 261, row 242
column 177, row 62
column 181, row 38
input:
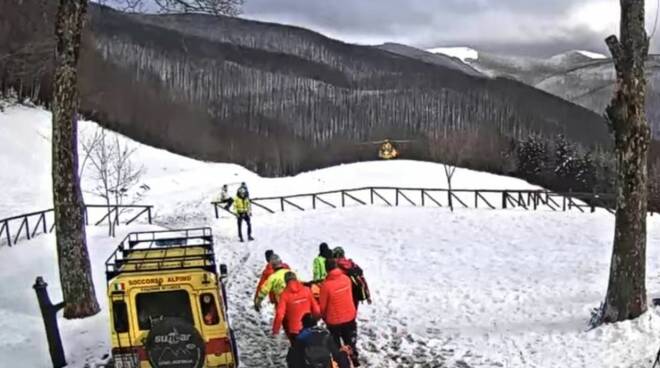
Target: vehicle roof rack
column 149, row 251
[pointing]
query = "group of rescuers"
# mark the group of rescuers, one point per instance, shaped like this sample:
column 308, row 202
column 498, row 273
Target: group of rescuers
column 337, row 289
column 334, row 294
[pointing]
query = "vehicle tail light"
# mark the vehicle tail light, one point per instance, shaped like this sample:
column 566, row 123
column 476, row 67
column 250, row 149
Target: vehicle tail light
column 218, row 346
column 142, row 354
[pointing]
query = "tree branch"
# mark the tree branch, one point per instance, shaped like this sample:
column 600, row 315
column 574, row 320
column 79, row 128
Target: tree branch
column 616, row 49
column 212, row 7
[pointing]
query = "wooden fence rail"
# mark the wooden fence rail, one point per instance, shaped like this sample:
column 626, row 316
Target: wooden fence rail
column 401, row 196
column 9, row 236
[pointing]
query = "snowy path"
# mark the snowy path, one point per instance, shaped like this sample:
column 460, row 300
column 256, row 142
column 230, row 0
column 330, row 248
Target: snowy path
column 473, row 288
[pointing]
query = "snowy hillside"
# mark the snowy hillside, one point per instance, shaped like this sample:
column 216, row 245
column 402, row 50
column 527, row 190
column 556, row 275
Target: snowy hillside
column 583, row 77
column 530, row 70
column 176, row 180
column 473, row 288
column 472, row 57
column 573, row 58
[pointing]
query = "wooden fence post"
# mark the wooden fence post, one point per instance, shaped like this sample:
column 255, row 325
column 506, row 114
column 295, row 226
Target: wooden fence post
column 593, row 201
column 215, row 207
column 423, row 195
column 314, row 201
column 396, row 197
column 504, row 198
column 149, row 214
column 27, row 228
column 282, row 203
column 6, row 227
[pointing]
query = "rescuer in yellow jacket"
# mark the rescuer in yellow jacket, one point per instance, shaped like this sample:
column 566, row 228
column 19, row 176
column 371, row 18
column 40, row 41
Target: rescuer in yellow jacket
column 275, row 283
column 243, row 209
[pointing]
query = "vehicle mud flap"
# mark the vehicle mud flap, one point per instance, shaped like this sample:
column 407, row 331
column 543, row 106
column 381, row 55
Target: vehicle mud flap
column 234, row 347
column 224, row 295
column 175, row 343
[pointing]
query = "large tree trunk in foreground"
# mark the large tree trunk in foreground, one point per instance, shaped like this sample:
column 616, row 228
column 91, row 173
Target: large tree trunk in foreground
column 626, row 291
column 75, row 268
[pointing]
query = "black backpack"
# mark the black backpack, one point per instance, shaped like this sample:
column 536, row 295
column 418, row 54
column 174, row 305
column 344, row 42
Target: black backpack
column 317, row 353
column 356, row 275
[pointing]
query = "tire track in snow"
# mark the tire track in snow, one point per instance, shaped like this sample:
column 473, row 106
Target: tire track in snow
column 256, row 347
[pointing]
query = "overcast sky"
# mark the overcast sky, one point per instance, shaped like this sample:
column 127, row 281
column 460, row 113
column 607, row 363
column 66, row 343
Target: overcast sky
column 526, row 27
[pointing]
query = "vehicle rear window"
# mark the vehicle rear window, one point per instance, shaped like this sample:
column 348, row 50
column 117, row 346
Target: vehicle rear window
column 209, row 309
column 120, row 316
column 164, row 304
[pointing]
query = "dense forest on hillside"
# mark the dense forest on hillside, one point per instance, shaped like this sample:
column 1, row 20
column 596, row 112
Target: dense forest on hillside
column 281, row 99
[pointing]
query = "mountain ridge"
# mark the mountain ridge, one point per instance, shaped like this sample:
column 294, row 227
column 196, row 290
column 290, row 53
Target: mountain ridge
column 208, row 87
column 584, row 78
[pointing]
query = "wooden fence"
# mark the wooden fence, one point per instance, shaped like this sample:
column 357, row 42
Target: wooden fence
column 31, row 224
column 465, row 198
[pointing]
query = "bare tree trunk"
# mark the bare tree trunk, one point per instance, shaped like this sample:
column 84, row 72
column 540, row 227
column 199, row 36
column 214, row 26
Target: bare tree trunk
column 75, row 268
column 449, row 174
column 626, row 291
column 104, row 163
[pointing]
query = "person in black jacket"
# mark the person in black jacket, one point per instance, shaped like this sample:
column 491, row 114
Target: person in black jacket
column 315, row 348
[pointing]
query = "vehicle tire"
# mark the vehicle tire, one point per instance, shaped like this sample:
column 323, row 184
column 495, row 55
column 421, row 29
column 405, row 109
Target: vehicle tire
column 175, row 343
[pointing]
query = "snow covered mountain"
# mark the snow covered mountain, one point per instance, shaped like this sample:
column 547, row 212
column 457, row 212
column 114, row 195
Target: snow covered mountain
column 472, row 288
column 526, row 69
column 583, row 77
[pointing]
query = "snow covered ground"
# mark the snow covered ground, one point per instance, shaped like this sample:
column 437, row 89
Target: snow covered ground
column 22, row 338
column 473, row 288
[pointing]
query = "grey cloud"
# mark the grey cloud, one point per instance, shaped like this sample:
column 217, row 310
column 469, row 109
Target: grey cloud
column 524, row 27
column 486, row 24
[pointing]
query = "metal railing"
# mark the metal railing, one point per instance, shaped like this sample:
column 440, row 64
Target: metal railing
column 31, row 224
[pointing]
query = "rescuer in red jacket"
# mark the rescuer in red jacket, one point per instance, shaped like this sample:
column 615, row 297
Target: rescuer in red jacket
column 268, row 270
column 337, row 308
column 295, row 301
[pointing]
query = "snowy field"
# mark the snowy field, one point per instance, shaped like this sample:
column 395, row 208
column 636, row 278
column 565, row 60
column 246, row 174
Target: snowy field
column 473, row 288
column 180, row 185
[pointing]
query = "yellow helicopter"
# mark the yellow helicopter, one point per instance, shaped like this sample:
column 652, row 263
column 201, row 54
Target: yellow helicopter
column 388, row 149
